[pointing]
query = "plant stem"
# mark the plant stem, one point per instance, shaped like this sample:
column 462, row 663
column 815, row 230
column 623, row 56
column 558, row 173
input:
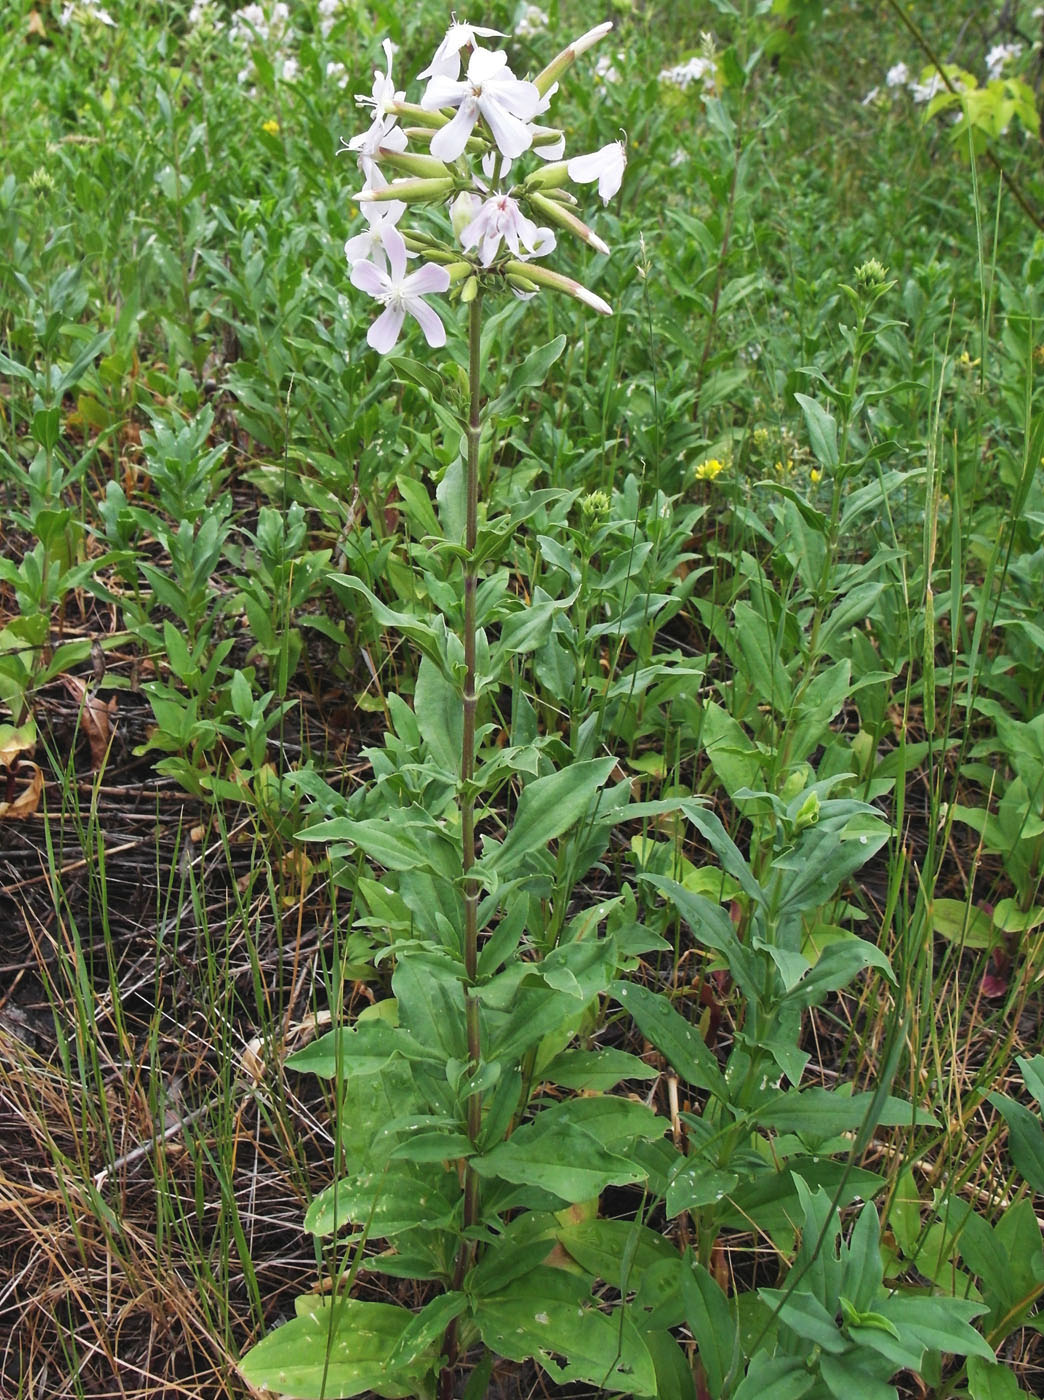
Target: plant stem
column 466, row 1247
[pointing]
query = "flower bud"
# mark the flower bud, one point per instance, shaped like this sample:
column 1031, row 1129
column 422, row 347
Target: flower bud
column 419, row 191
column 469, row 291
column 558, row 214
column 558, row 66
column 544, row 277
column 410, row 163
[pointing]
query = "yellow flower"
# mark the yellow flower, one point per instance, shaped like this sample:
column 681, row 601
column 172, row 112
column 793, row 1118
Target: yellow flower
column 709, row 469
column 272, row 127
column 815, row 476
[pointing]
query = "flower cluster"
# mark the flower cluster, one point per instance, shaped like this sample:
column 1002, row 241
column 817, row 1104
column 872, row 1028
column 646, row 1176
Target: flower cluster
column 999, row 61
column 474, row 122
column 695, row 70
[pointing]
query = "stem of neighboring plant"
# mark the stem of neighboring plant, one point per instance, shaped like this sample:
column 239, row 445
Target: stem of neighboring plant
column 466, row 1247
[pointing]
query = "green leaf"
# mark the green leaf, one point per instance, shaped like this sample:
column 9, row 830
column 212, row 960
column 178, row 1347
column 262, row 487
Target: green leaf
column 775, row 1378
column 963, row 924
column 386, row 1203
column 1033, row 1075
column 1025, row 1138
column 364, row 1048
column 823, row 1113
column 681, row 1043
column 548, row 1315
column 806, row 1316
column 437, row 706
column 564, row 1159
column 822, row 432
column 340, row 1348
column 847, row 1380
column 990, row 1380
column 595, row 1069
column 711, row 1323
column 547, row 808
column 939, row 1324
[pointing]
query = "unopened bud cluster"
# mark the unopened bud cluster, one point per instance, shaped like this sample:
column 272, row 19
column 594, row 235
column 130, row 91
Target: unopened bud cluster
column 455, row 150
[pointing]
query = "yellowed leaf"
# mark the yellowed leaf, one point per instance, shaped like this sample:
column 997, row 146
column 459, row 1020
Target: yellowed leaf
column 29, row 778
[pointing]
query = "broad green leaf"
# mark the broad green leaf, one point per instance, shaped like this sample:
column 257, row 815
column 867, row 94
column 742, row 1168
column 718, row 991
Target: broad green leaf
column 862, row 1271
column 340, row 1348
column 822, row 432
column 386, row 1203
column 823, row 1113
column 547, row 808
column 775, row 1378
column 595, row 1069
column 711, row 1323
column 939, row 1324
column 992, row 1380
column 1025, row 1138
column 1033, row 1075
column 674, row 1036
column 437, row 705
column 963, row 924
column 566, row 1160
column 806, row 1316
column 847, row 1380
column 364, row 1048
column 599, row 1246
column 549, row 1317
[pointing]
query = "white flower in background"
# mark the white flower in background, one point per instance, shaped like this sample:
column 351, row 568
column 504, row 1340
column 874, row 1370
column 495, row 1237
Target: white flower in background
column 328, row 12
column 500, row 218
column 289, row 70
column 251, row 23
column 605, row 70
column 897, row 76
column 999, row 57
column 337, row 73
column 606, row 166
column 533, row 22
column 86, row 12
column 696, row 70
column 871, row 97
column 401, row 294
column 490, row 91
column 446, row 62
column 924, row 92
column 679, row 158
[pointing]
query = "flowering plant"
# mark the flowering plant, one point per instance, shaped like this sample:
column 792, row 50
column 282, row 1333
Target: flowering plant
column 474, row 122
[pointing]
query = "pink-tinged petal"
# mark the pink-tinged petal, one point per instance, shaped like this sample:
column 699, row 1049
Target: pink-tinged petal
column 369, row 278
column 449, row 141
column 363, row 248
column 429, row 278
column 384, row 332
column 428, row 320
column 395, row 247
column 511, row 135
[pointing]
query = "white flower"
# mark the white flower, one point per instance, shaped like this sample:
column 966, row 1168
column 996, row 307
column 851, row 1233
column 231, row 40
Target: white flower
column 400, row 294
column 339, row 72
column 86, row 12
column 500, row 217
column 328, row 11
column 533, row 22
column 291, row 70
column 490, row 91
column 697, row 70
column 446, row 62
column 897, row 76
column 384, row 130
column 606, row 166
column 924, row 92
column 999, row 57
column 370, row 246
column 605, row 71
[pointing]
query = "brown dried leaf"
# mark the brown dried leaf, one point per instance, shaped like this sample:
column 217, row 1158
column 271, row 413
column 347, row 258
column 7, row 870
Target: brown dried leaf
column 96, row 717
column 27, row 801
